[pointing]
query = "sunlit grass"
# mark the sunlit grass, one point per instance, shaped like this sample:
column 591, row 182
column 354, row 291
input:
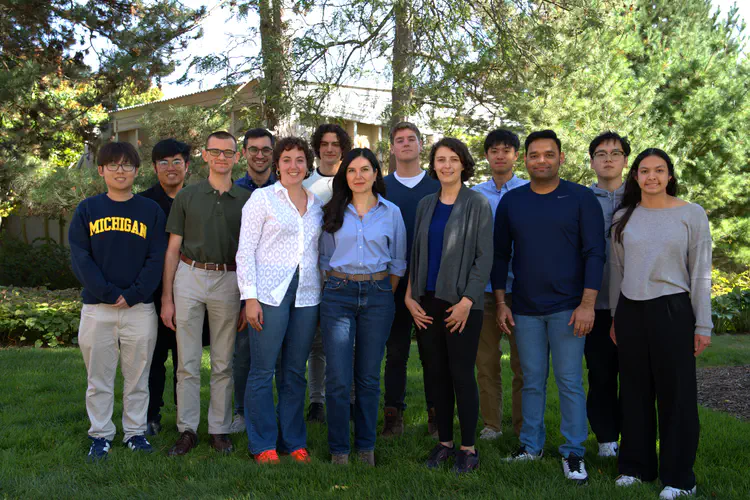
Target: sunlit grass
column 43, row 444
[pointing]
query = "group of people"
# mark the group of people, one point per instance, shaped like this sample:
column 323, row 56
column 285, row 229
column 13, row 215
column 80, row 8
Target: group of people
column 295, row 269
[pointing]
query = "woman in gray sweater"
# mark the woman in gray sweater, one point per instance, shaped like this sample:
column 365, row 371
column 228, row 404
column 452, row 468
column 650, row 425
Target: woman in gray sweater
column 661, row 271
column 451, row 261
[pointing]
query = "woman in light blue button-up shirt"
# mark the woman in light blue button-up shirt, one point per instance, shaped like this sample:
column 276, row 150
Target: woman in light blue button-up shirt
column 363, row 253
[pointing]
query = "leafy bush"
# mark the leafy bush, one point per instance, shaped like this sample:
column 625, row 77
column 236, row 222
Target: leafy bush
column 42, row 263
column 731, row 311
column 723, row 282
column 38, row 315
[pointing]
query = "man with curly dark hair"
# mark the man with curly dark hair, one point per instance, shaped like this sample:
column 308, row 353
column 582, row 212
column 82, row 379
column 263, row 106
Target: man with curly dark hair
column 330, row 143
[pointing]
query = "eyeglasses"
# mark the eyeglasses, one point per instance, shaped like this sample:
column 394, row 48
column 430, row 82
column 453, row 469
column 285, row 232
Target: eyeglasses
column 126, row 167
column 228, row 153
column 254, row 151
column 164, row 164
column 615, row 155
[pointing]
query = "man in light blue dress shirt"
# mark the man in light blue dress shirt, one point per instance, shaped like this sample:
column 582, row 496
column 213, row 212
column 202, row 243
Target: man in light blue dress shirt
column 501, row 149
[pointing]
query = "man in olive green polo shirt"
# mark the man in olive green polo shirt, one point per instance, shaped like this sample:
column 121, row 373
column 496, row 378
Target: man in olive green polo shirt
column 200, row 277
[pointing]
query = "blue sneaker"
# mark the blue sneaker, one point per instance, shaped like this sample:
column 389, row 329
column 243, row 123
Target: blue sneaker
column 139, row 443
column 99, row 449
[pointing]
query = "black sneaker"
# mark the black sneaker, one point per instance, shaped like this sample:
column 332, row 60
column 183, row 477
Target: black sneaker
column 153, row 427
column 316, row 412
column 522, row 455
column 574, row 469
column 438, row 455
column 466, row 461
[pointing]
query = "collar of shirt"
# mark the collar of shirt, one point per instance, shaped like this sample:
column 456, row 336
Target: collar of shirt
column 279, row 188
column 247, row 182
column 603, row 192
column 160, row 193
column 353, row 209
column 208, row 188
column 512, row 183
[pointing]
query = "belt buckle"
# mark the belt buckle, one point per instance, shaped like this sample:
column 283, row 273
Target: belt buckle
column 213, row 267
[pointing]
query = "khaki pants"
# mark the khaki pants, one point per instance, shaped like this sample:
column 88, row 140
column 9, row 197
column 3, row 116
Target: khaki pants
column 195, row 292
column 489, row 376
column 105, row 334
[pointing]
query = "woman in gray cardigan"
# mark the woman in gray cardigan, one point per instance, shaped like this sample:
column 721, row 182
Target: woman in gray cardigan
column 451, row 262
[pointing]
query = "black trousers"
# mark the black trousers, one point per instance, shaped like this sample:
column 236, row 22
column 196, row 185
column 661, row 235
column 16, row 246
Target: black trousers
column 449, row 362
column 166, row 342
column 397, row 354
column 603, row 401
column 655, row 340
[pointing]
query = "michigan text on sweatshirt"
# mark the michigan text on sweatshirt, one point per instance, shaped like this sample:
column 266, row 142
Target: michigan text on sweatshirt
column 117, row 248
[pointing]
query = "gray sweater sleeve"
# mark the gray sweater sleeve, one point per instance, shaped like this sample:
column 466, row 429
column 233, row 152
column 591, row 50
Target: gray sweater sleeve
column 479, row 274
column 699, row 269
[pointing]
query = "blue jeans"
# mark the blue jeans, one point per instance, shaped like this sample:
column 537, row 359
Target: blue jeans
column 287, row 331
column 536, row 336
column 240, row 368
column 361, row 311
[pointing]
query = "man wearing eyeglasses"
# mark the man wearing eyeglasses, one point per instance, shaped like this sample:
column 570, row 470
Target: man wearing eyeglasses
column 170, row 159
column 257, row 148
column 117, row 244
column 609, row 156
column 200, row 278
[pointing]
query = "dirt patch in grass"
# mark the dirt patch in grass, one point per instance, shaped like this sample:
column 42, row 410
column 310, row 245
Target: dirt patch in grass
column 725, row 388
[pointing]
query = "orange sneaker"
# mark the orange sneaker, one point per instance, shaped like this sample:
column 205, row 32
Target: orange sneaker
column 267, row 457
column 301, row 456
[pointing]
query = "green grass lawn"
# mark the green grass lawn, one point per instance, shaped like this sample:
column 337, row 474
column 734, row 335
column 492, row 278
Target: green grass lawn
column 43, row 444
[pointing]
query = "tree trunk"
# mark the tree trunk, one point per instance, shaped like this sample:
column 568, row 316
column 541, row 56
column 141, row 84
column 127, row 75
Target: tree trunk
column 275, row 54
column 403, row 66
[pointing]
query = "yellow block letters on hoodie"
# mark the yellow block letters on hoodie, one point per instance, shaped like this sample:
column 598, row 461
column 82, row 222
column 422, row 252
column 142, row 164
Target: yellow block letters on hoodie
column 122, row 224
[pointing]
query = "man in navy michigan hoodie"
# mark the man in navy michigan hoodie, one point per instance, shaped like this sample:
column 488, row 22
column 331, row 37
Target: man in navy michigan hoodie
column 117, row 244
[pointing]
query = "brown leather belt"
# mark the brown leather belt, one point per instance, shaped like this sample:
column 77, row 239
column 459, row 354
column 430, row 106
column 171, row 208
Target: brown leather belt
column 359, row 277
column 209, row 266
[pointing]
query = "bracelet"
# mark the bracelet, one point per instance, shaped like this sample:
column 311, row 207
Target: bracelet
column 501, row 302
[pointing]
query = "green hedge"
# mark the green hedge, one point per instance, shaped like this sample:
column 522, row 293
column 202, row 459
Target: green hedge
column 51, row 317
column 39, row 316
column 42, row 263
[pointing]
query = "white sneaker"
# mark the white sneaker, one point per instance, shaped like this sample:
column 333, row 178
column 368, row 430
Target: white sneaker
column 488, row 433
column 238, row 425
column 521, row 455
column 670, row 492
column 608, row 449
column 623, row 480
column 574, row 469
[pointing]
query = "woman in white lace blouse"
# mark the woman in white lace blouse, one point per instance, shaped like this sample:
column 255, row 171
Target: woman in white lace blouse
column 278, row 277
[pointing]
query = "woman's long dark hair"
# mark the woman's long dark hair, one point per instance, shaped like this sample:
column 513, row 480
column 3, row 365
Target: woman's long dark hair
column 632, row 196
column 333, row 211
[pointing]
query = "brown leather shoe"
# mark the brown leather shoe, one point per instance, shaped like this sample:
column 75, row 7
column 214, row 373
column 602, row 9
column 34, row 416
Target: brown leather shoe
column 393, row 422
column 187, row 441
column 432, row 423
column 221, row 443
